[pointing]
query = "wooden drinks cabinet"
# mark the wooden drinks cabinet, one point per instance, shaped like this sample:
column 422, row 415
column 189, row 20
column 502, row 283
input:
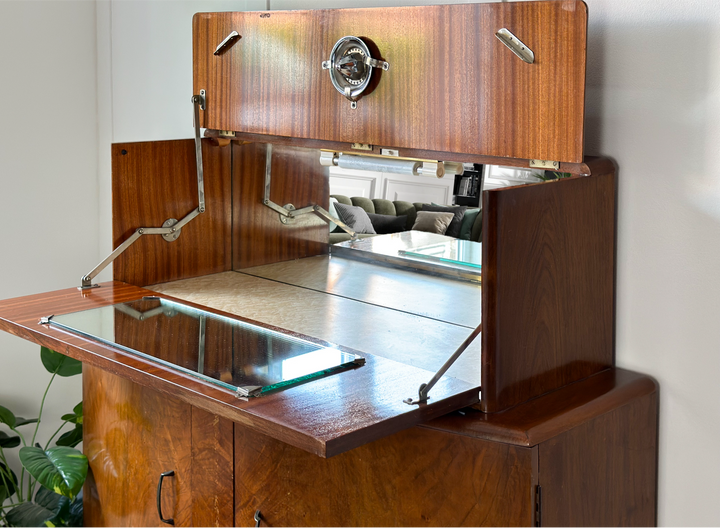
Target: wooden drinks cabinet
column 532, row 425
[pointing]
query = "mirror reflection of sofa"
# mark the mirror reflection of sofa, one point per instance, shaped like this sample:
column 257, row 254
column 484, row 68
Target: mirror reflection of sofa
column 467, row 223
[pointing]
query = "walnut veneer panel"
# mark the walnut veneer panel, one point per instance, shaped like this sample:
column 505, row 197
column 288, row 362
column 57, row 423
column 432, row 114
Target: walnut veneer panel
column 327, row 416
column 155, row 181
column 613, row 457
column 552, row 414
column 213, row 451
column 548, row 277
column 417, row 477
column 131, row 435
column 298, row 179
column 452, row 85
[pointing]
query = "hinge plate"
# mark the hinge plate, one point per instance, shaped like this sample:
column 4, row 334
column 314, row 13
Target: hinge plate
column 545, row 164
column 362, row 146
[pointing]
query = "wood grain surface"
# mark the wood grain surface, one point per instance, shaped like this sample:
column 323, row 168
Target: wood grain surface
column 213, row 470
column 326, row 417
column 416, row 477
column 548, row 276
column 297, row 178
column 603, row 472
column 452, row 85
column 580, row 168
column 552, row 414
column 131, row 435
column 155, row 181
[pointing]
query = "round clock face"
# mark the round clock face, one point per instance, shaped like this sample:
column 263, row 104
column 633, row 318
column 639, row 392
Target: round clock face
column 349, row 68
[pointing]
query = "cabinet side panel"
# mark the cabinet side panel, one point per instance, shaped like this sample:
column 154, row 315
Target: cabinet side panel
column 155, row 181
column 452, row 85
column 604, row 472
column 131, row 434
column 417, row 477
column 212, row 470
column 297, row 178
column 548, row 287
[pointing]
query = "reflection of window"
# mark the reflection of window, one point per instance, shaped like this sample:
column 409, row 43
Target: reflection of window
column 497, row 176
column 310, row 363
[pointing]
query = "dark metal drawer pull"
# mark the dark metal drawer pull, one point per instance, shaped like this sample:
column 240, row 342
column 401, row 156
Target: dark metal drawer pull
column 159, row 497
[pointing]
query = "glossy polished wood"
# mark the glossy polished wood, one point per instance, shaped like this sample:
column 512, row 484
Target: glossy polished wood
column 452, row 85
column 131, row 435
column 417, row 477
column 553, row 414
column 580, row 168
column 259, row 237
column 326, row 417
column 548, row 277
column 213, row 474
column 155, row 181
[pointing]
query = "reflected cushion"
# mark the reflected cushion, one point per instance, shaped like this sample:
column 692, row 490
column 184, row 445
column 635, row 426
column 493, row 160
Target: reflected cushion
column 467, row 223
column 386, row 224
column 355, row 218
column 458, row 212
column 433, row 222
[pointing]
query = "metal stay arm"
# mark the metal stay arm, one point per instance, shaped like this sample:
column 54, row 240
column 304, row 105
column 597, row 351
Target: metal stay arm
column 425, row 387
column 171, row 229
column 294, row 213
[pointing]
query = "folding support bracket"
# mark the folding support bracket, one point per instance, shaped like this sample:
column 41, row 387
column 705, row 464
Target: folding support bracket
column 425, row 387
column 171, row 227
column 289, row 211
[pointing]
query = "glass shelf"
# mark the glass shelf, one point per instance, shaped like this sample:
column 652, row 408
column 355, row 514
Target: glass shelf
column 245, row 358
column 455, row 252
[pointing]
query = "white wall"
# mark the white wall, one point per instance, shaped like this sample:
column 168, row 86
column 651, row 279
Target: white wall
column 48, row 179
column 653, row 103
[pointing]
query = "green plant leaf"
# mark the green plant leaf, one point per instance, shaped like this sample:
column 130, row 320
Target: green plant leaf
column 60, row 469
column 71, row 438
column 75, row 417
column 7, row 487
column 8, row 441
column 75, row 516
column 19, row 420
column 78, row 410
column 7, row 417
column 48, row 509
column 57, row 363
column 29, row 514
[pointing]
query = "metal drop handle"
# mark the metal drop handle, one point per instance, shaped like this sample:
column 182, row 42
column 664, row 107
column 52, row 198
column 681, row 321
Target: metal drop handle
column 258, row 518
column 159, row 497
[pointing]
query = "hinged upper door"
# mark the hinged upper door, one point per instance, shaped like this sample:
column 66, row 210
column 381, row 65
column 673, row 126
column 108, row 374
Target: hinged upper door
column 452, row 83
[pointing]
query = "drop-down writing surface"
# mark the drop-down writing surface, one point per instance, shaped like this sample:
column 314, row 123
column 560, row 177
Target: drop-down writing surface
column 326, row 417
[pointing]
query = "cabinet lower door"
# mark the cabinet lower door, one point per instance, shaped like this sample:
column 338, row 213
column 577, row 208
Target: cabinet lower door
column 132, row 435
column 418, row 477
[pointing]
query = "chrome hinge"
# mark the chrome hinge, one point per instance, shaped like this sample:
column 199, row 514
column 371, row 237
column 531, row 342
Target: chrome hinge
column 545, row 164
column 538, row 506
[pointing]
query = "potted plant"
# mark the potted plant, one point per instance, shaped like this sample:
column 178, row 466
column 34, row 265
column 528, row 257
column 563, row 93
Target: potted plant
column 48, row 489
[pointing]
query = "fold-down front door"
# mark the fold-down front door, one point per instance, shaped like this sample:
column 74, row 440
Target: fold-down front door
column 326, row 412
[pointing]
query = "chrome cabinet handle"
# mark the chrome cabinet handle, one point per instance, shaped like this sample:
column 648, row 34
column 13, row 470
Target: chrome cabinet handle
column 258, row 518
column 159, row 497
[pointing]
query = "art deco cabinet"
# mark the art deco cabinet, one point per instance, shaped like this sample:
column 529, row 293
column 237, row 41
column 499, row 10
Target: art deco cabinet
column 191, row 362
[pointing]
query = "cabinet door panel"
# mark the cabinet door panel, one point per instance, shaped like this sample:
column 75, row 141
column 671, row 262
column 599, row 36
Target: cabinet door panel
column 131, row 435
column 418, row 477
